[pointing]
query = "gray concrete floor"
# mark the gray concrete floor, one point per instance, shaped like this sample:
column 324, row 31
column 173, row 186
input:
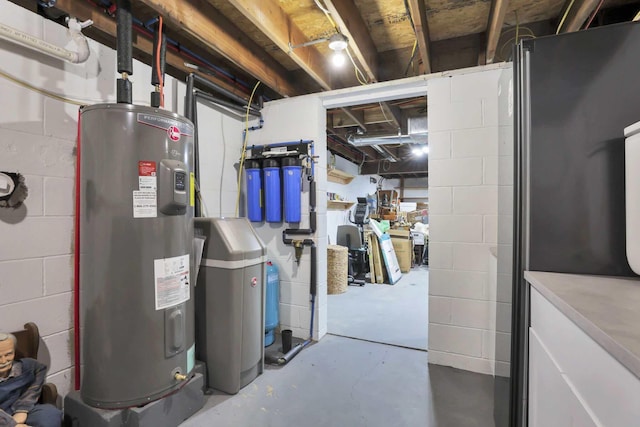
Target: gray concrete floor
column 396, row 315
column 346, row 382
column 379, row 378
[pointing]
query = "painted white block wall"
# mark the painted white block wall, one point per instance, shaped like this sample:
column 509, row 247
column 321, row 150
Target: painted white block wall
column 293, row 119
column 38, row 139
column 502, row 293
column 463, row 212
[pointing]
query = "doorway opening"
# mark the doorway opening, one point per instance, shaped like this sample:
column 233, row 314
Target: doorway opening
column 378, row 155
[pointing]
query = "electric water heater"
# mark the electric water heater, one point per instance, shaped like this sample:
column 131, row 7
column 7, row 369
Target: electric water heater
column 136, row 268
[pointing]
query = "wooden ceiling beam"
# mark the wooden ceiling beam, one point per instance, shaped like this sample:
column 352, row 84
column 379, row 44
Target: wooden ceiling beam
column 494, row 29
column 201, row 22
column 356, row 116
column 269, row 17
column 349, row 20
column 418, row 11
column 106, row 26
column 577, row 15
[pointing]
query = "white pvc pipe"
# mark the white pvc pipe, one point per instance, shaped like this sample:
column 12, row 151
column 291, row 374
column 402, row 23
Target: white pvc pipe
column 34, row 43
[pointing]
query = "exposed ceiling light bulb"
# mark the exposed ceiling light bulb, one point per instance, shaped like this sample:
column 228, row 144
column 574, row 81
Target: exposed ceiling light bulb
column 425, row 149
column 417, row 152
column 338, row 59
column 338, row 42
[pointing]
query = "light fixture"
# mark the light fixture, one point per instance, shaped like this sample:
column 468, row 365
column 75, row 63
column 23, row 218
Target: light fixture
column 337, row 43
column 418, row 150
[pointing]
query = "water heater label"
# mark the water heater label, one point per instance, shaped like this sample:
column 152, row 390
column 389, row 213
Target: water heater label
column 171, row 281
column 174, row 128
column 147, row 175
column 145, row 204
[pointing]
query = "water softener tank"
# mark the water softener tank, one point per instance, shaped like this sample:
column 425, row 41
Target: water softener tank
column 292, row 187
column 230, row 302
column 272, row 303
column 254, row 191
column 136, row 268
column 273, row 211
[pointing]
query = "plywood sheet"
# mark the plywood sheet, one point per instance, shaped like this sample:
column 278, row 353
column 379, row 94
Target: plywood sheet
column 388, row 22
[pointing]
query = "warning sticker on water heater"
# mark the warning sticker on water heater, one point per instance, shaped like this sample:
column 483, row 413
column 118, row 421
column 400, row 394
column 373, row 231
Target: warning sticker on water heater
column 145, row 204
column 171, row 281
column 147, row 179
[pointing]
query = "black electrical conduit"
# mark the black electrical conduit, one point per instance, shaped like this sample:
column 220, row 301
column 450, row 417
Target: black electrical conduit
column 124, row 52
column 217, row 88
column 298, row 245
column 227, row 104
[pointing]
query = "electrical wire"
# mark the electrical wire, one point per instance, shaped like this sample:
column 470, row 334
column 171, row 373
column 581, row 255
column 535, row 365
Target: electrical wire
column 362, row 79
column 413, row 55
column 224, row 156
column 566, row 13
column 327, row 13
column 593, row 15
column 42, row 91
column 158, row 70
column 244, row 146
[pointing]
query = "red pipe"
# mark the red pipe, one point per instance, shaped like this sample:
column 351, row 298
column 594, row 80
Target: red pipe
column 76, row 268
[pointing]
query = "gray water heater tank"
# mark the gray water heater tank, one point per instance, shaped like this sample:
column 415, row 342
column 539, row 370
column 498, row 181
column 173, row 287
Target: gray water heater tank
column 230, row 302
column 136, row 263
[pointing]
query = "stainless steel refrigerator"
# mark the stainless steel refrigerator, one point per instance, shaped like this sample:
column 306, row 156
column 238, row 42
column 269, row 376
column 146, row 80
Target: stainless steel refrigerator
column 573, row 95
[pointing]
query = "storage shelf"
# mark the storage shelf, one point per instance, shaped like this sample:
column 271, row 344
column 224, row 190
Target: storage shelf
column 339, row 205
column 336, row 175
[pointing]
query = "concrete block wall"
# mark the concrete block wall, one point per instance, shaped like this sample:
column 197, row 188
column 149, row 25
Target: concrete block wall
column 463, row 215
column 293, row 119
column 504, row 268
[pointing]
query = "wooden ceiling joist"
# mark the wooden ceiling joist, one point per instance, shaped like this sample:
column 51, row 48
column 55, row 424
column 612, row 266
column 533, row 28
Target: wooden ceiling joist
column 494, row 29
column 269, row 17
column 577, row 15
column 216, row 33
column 419, row 16
column 107, row 26
column 349, row 20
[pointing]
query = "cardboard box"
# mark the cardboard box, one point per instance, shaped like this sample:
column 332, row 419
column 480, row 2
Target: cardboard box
column 404, row 250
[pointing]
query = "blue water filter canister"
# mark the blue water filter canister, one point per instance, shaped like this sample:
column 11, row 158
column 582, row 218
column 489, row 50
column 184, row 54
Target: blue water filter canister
column 272, row 200
column 272, row 309
column 292, row 185
column 254, row 191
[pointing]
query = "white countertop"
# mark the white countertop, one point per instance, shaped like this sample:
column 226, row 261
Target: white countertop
column 606, row 308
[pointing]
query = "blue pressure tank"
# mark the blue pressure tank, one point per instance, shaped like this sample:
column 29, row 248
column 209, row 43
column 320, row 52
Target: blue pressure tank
column 254, row 191
column 272, row 203
column 272, row 304
column 292, row 178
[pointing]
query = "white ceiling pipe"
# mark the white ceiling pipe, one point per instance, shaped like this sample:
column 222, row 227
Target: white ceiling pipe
column 39, row 45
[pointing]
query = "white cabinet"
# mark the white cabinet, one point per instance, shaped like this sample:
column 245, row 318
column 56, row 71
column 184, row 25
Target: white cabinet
column 573, row 381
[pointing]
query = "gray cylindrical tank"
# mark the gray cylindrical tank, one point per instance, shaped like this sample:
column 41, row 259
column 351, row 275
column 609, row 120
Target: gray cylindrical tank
column 136, row 264
column 230, row 302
